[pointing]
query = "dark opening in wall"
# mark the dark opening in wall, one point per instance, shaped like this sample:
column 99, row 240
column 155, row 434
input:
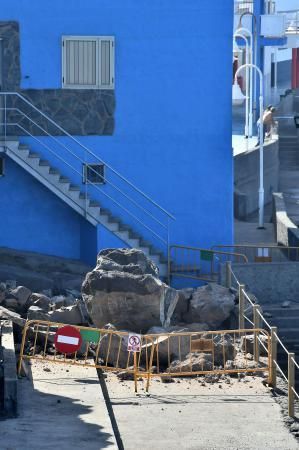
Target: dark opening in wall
column 94, row 173
column 1, row 167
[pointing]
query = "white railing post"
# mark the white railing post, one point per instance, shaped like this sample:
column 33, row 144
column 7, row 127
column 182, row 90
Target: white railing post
column 241, row 306
column 273, row 357
column 291, row 384
column 228, row 266
column 257, row 324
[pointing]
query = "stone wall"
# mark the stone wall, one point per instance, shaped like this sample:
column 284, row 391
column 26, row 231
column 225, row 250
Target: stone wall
column 79, row 111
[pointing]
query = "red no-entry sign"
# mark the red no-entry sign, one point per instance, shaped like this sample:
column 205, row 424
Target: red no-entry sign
column 67, row 339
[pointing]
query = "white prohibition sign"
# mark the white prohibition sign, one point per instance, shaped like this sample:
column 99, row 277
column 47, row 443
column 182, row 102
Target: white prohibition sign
column 134, row 342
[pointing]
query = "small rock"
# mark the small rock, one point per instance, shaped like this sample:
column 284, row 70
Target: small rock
column 47, row 369
column 21, row 293
column 125, row 375
column 167, row 379
column 286, row 304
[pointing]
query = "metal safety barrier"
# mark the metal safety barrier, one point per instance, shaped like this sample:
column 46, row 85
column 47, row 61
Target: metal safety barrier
column 159, row 355
column 199, row 263
column 209, row 352
column 104, row 349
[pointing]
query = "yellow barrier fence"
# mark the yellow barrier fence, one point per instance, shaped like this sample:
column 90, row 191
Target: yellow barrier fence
column 182, row 354
column 104, row 349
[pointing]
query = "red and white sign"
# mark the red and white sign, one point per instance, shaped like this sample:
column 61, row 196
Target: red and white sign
column 67, row 339
column 134, row 343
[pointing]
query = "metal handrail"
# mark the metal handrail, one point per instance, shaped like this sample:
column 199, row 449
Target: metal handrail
column 79, row 159
column 127, row 195
column 95, row 186
column 239, row 255
column 89, row 152
column 289, row 379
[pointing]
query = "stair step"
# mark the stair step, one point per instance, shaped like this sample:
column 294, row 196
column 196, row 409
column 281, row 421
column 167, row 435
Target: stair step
column 94, row 204
column 33, row 155
column 23, row 147
column 123, row 227
column 44, row 162
column 73, row 187
column 284, row 322
column 278, row 311
column 84, row 196
column 113, row 219
column 63, row 179
column 53, row 171
column 133, row 235
column 144, row 243
column 289, row 333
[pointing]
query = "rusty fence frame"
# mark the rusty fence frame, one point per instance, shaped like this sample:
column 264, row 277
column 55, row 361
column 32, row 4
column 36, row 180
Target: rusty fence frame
column 35, row 327
column 142, row 362
column 188, row 262
column 247, row 306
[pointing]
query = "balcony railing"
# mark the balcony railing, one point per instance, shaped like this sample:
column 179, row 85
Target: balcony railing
column 247, row 6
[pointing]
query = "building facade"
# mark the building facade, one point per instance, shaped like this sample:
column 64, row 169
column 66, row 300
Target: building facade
column 122, row 103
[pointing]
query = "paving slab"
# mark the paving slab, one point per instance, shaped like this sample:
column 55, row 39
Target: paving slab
column 62, row 407
column 186, row 415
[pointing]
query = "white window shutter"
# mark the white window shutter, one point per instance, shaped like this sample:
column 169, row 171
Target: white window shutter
column 88, row 62
column 106, row 73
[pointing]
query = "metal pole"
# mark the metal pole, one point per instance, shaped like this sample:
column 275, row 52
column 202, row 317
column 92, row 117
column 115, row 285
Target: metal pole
column 291, row 384
column 241, row 30
column 257, row 324
column 253, row 61
column 261, row 187
column 241, row 307
column 247, row 83
column 273, row 356
column 228, row 265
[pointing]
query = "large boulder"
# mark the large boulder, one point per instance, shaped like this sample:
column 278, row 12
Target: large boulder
column 124, row 289
column 211, row 304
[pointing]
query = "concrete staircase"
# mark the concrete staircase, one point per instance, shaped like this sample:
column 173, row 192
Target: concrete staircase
column 79, row 201
column 287, row 321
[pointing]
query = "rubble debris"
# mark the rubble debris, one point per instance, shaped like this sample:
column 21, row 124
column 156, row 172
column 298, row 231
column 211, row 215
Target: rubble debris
column 192, row 363
column 247, row 344
column 124, row 289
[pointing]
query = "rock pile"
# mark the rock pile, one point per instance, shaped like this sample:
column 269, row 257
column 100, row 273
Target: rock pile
column 67, row 307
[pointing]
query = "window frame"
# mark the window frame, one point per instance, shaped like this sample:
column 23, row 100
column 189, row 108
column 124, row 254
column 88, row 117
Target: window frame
column 85, row 173
column 97, row 40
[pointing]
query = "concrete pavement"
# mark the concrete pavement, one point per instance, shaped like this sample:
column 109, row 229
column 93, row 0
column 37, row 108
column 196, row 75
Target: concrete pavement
column 188, row 415
column 62, row 408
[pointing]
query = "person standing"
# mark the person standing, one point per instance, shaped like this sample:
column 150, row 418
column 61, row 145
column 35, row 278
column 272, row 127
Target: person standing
column 268, row 123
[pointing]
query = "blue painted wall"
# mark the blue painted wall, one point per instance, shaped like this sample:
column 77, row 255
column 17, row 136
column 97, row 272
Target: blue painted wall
column 34, row 219
column 173, row 95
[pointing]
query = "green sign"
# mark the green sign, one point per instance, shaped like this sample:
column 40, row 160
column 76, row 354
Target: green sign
column 90, row 336
column 205, row 255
